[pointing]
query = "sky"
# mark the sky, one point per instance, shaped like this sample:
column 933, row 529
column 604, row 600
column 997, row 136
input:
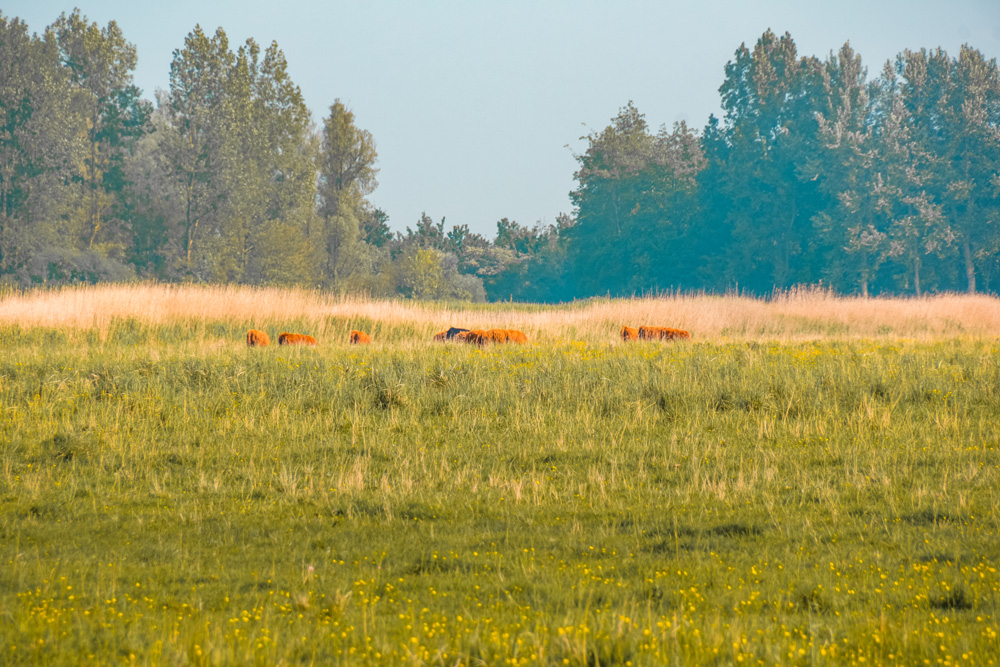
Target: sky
column 478, row 108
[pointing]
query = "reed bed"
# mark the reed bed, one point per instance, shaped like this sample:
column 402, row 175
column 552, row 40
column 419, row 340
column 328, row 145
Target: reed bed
column 795, row 315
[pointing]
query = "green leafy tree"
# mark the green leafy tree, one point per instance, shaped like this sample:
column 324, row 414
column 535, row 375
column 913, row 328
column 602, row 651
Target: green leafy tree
column 347, row 174
column 430, row 274
column 609, row 185
column 763, row 194
column 854, row 224
column 239, row 149
column 49, row 180
column 968, row 144
column 428, row 234
column 912, row 93
column 41, row 145
column 540, row 275
column 154, row 199
column 100, row 63
column 375, row 230
column 266, row 164
column 198, row 75
column 635, row 201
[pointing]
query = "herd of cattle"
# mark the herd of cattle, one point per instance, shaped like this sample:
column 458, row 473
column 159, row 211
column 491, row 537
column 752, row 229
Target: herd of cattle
column 653, row 333
column 257, row 338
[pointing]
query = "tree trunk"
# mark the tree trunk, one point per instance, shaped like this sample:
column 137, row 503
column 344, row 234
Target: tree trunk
column 970, row 269
column 189, row 225
column 95, row 214
column 95, row 207
column 916, row 275
column 864, row 275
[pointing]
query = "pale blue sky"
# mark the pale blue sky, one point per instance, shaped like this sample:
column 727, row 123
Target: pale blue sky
column 472, row 104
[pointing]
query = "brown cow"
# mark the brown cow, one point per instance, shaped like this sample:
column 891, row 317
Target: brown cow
column 257, row 338
column 296, row 339
column 481, row 337
column 662, row 333
column 628, row 333
column 452, row 333
column 494, row 336
column 360, row 338
column 473, row 336
column 515, row 336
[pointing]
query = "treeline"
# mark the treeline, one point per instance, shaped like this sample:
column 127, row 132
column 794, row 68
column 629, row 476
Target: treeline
column 813, row 173
column 224, row 179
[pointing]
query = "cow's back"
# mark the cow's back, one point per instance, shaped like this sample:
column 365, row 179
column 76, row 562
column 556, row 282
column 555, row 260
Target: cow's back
column 257, row 338
column 286, row 338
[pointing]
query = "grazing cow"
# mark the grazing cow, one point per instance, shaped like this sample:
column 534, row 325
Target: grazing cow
column 480, row 337
column 628, row 333
column 473, row 336
column 452, row 333
column 494, row 336
column 257, row 338
column 662, row 333
column 360, row 338
column 296, row 339
column 515, row 336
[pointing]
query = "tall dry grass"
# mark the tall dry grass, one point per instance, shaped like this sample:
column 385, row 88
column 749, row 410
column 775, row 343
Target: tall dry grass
column 796, row 315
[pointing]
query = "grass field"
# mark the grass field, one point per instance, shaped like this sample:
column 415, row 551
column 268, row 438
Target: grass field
column 810, row 480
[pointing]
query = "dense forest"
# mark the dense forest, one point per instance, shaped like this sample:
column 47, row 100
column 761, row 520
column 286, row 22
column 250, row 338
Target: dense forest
column 816, row 173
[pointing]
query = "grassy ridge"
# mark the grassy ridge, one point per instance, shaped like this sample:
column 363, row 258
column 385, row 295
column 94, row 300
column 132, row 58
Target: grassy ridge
column 168, row 496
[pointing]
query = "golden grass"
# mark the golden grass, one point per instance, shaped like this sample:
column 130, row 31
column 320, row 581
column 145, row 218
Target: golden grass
column 797, row 315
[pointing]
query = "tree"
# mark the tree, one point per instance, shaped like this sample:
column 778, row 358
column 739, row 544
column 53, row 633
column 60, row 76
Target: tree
column 428, row 273
column 428, row 234
column 198, row 75
column 347, row 174
column 154, row 199
column 39, row 144
column 239, row 147
column 44, row 161
column 541, row 275
column 375, row 229
column 968, row 143
column 266, row 164
column 766, row 135
column 908, row 139
column 854, row 224
column 634, row 204
column 100, row 63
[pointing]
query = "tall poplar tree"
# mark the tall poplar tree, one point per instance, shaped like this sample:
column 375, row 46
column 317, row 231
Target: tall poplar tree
column 767, row 133
column 347, row 174
column 910, row 138
column 266, row 165
column 42, row 142
column 968, row 143
column 854, row 223
column 198, row 76
column 100, row 63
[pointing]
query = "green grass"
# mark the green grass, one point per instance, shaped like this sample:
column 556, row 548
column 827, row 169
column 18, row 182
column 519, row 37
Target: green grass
column 168, row 496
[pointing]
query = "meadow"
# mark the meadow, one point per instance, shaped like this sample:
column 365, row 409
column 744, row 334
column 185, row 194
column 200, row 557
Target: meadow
column 811, row 480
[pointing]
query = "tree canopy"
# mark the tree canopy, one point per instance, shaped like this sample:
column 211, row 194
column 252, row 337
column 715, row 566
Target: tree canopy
column 814, row 172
